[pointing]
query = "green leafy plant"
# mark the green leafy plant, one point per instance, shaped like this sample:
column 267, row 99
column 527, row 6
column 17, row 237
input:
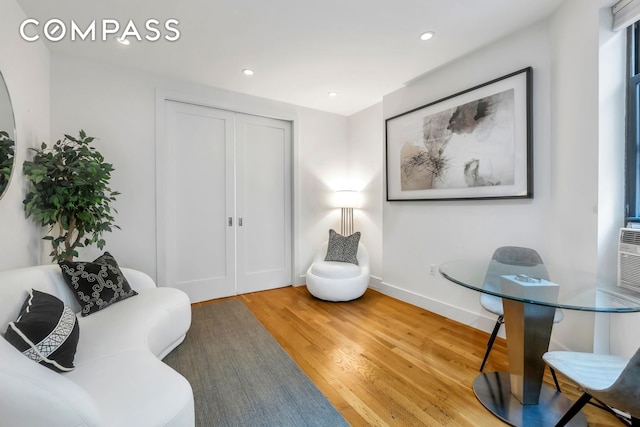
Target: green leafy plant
column 7, row 153
column 70, row 192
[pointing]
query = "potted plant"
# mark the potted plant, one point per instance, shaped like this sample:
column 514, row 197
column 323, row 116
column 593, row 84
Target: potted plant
column 70, row 193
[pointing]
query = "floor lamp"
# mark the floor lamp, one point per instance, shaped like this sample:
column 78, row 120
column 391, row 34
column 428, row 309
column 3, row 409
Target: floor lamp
column 346, row 200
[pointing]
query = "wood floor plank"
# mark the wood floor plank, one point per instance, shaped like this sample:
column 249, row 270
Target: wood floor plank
column 383, row 362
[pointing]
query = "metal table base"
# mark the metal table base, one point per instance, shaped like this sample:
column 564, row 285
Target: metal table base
column 493, row 390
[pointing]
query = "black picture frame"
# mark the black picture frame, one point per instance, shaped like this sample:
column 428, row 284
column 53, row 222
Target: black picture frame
column 474, row 144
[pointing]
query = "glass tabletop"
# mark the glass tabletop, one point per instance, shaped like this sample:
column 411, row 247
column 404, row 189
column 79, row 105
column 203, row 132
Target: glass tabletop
column 581, row 291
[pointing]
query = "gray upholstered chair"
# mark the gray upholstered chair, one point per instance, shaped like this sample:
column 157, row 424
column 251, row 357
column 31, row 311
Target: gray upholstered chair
column 611, row 380
column 509, row 260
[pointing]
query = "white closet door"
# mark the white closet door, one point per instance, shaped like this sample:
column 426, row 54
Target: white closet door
column 196, row 244
column 263, row 149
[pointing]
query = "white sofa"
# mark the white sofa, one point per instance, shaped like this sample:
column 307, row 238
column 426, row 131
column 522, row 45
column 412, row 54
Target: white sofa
column 119, row 378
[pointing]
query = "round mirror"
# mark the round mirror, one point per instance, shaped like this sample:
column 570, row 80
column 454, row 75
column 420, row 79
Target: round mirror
column 7, row 137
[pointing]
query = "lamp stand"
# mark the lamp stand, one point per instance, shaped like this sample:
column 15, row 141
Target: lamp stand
column 346, row 226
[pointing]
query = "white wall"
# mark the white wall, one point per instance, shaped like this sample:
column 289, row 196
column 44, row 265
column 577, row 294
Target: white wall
column 578, row 150
column 25, row 67
column 420, row 233
column 589, row 207
column 323, row 169
column 616, row 333
column 117, row 105
column 366, row 142
column 574, row 156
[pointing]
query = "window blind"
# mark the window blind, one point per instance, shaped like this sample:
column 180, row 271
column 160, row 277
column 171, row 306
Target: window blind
column 625, row 13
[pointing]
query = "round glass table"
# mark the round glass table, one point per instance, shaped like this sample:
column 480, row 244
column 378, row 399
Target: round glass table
column 519, row 397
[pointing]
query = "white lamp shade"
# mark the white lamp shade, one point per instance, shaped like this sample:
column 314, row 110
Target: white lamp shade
column 347, row 199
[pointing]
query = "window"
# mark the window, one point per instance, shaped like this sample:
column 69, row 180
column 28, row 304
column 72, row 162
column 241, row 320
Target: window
column 633, row 125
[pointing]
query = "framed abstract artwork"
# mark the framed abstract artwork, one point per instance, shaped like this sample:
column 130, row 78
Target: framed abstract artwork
column 475, row 144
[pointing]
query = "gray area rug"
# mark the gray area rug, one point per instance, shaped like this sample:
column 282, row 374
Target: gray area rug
column 242, row 377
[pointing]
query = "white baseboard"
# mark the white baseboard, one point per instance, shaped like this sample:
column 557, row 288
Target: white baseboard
column 375, row 282
column 447, row 310
column 475, row 320
column 300, row 280
column 452, row 312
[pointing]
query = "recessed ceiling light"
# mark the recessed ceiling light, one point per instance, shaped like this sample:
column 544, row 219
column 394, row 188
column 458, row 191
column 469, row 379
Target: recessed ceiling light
column 123, row 41
column 333, row 93
column 427, row 35
column 247, row 72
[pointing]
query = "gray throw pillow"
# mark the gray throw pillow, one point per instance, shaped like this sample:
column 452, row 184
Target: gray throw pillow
column 343, row 248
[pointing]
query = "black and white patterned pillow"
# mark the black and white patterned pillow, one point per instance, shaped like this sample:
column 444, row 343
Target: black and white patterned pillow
column 343, row 248
column 46, row 331
column 96, row 284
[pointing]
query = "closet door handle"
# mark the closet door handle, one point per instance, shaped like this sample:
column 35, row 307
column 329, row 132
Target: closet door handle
column 230, row 222
column 239, row 222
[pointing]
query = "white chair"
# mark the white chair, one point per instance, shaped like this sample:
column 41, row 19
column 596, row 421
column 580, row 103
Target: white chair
column 338, row 281
column 613, row 381
column 509, row 260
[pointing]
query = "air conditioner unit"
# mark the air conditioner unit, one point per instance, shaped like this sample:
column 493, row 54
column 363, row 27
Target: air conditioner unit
column 629, row 259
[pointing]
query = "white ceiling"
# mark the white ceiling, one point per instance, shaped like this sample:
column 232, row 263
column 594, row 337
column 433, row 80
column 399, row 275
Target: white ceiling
column 300, row 49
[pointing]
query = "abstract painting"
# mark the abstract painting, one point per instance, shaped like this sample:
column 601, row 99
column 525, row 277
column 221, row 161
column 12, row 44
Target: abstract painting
column 473, row 144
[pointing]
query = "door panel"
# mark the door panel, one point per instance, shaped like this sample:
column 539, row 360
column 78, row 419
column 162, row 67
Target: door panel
column 213, row 166
column 199, row 246
column 264, row 203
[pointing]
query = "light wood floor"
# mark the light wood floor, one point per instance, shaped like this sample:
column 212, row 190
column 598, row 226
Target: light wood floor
column 383, row 362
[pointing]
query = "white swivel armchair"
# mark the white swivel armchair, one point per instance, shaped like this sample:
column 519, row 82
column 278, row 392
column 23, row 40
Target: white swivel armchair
column 338, row 281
